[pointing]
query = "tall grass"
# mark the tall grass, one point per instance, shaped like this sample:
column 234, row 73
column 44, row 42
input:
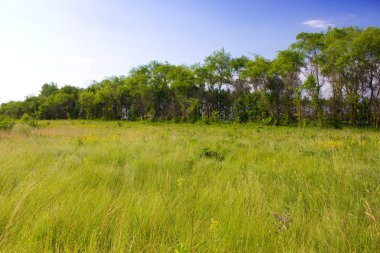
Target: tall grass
column 133, row 187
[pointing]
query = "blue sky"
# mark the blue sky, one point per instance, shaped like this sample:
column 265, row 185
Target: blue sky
column 77, row 41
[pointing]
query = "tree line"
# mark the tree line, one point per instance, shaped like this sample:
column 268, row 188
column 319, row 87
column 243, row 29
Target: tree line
column 329, row 77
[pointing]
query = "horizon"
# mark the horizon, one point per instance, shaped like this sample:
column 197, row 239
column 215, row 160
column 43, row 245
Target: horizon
column 72, row 43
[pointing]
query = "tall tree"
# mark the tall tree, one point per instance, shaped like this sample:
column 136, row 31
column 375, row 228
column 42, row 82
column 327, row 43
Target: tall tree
column 311, row 45
column 238, row 81
column 48, row 89
column 288, row 64
column 218, row 66
column 87, row 104
column 365, row 52
column 256, row 75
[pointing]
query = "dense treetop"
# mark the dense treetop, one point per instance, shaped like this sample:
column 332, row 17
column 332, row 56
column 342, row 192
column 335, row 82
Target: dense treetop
column 328, row 77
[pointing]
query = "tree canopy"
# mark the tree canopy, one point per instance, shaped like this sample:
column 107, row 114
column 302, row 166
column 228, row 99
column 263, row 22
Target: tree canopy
column 327, row 77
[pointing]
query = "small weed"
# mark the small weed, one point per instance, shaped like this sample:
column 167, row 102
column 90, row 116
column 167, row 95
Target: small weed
column 215, row 228
column 79, row 142
column 180, row 182
column 181, row 249
column 206, row 152
column 281, row 222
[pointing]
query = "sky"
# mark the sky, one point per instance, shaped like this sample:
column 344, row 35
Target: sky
column 73, row 42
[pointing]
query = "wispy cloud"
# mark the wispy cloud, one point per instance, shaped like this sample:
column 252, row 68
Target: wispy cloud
column 80, row 60
column 348, row 17
column 318, row 23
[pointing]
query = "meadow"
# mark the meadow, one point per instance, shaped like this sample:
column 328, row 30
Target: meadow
column 92, row 186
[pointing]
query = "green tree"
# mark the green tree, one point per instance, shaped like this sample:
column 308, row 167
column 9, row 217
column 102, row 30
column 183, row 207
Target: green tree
column 219, row 75
column 48, row 89
column 365, row 53
column 184, row 90
column 311, row 45
column 87, row 103
column 240, row 109
column 14, row 109
column 239, row 83
column 194, row 111
column 256, row 73
column 288, row 65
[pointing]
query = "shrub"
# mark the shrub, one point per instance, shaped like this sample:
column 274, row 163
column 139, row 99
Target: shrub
column 240, row 109
column 29, row 120
column 6, row 122
column 194, row 111
column 267, row 121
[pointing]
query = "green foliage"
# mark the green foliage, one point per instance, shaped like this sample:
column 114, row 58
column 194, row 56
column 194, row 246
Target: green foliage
column 6, row 123
column 12, row 109
column 256, row 72
column 61, row 103
column 48, row 89
column 218, row 66
column 267, row 121
column 309, row 83
column 328, row 78
column 240, row 108
column 214, row 117
column 29, row 120
column 87, row 103
column 194, row 111
column 288, row 62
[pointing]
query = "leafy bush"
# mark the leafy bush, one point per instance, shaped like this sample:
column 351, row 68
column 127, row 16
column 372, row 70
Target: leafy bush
column 213, row 118
column 29, row 120
column 194, row 111
column 240, row 109
column 267, row 121
column 6, row 122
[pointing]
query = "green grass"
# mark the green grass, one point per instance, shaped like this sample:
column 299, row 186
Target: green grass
column 134, row 187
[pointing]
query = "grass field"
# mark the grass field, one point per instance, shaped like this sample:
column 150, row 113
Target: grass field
column 86, row 186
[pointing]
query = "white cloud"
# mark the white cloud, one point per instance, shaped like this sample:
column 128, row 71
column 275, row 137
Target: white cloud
column 318, row 23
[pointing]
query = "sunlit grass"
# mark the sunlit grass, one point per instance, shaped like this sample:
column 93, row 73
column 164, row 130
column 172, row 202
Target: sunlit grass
column 134, row 187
